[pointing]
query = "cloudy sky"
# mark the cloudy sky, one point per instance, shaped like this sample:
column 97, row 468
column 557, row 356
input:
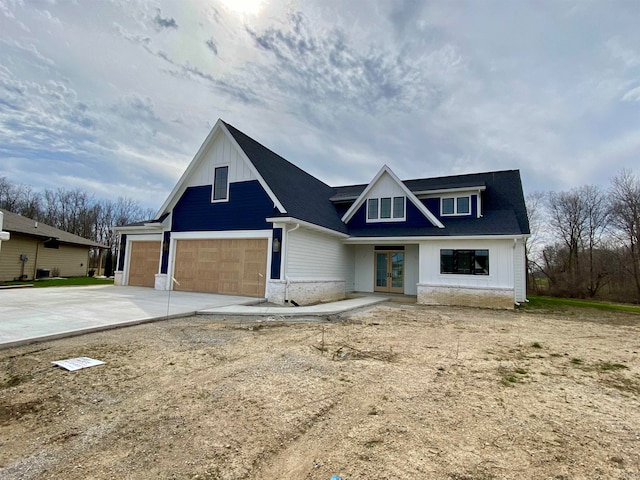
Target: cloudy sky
column 116, row 96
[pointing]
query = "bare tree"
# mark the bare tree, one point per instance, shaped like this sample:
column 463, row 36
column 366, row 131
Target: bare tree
column 625, row 217
column 596, row 221
column 536, row 212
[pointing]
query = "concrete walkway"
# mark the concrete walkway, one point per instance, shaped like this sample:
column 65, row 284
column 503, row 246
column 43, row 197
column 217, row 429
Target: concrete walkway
column 322, row 309
column 35, row 314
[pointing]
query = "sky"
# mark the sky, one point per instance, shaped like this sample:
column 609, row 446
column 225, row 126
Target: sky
column 115, row 97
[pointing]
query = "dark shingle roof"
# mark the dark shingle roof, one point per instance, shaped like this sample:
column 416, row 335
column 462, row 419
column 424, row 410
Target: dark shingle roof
column 14, row 223
column 307, row 198
column 302, row 195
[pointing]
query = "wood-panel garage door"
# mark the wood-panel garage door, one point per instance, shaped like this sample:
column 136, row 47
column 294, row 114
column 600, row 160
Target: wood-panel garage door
column 228, row 266
column 143, row 263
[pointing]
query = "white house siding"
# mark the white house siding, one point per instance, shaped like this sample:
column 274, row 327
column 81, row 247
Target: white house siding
column 364, row 261
column 495, row 290
column 520, row 271
column 221, row 152
column 411, row 269
column 318, row 267
column 385, row 187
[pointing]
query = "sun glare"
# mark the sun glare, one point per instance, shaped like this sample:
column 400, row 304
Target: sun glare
column 252, row 7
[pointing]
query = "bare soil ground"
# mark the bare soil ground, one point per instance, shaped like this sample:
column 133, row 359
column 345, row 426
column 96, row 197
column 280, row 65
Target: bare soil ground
column 394, row 392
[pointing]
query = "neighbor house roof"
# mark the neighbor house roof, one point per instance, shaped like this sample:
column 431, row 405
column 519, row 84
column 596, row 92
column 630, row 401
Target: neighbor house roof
column 14, row 223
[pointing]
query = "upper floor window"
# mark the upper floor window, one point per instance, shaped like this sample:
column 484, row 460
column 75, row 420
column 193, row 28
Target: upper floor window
column 220, row 184
column 386, row 209
column 455, row 205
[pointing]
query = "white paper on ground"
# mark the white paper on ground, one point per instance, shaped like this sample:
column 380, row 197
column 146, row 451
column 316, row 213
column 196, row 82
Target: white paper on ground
column 78, row 363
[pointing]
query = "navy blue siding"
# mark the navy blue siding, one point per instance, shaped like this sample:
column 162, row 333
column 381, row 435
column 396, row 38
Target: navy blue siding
column 247, row 208
column 123, row 248
column 165, row 253
column 276, row 256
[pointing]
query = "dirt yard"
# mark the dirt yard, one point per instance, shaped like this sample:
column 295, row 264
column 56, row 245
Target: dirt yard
column 394, row 392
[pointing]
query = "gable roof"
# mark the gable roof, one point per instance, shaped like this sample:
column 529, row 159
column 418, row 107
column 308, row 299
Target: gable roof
column 303, row 196
column 410, row 196
column 14, row 223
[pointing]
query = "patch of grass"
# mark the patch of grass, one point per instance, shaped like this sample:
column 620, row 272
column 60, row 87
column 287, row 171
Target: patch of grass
column 536, row 345
column 554, row 303
column 66, row 282
column 520, row 371
column 608, row 367
column 576, row 361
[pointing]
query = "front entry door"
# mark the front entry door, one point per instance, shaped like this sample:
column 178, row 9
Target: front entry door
column 389, row 271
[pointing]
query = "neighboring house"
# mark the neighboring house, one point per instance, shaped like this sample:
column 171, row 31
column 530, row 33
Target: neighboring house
column 3, row 235
column 243, row 220
column 35, row 248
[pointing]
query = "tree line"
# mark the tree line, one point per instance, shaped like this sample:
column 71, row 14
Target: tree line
column 75, row 211
column 585, row 242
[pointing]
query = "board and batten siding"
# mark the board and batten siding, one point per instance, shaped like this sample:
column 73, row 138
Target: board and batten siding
column 221, row 152
column 317, row 256
column 501, row 272
column 520, row 271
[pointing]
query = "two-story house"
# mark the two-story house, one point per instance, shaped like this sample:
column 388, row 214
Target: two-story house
column 243, row 220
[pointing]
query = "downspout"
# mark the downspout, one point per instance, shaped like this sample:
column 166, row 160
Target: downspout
column 286, row 264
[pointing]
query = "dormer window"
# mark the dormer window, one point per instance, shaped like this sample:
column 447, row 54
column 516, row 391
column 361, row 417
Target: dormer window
column 455, row 205
column 386, row 209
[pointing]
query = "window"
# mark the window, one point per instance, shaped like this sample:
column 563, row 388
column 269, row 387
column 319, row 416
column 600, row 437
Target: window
column 455, row 206
column 373, row 209
column 465, row 262
column 398, row 207
column 386, row 209
column 220, row 183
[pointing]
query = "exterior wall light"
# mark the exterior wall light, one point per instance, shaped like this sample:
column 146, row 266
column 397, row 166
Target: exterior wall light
column 276, row 246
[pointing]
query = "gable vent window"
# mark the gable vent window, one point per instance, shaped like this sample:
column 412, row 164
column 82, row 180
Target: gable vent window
column 464, row 262
column 386, row 209
column 455, row 205
column 220, row 184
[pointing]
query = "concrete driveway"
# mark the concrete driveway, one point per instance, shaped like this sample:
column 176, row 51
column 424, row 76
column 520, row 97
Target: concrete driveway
column 30, row 314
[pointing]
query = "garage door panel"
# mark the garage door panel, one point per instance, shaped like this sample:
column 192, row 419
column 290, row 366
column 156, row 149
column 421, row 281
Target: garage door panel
column 143, row 263
column 228, row 266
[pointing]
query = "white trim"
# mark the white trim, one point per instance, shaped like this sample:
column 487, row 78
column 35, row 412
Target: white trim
column 214, row 235
column 140, row 229
column 263, row 183
column 205, row 235
column 379, row 219
column 312, row 226
column 156, row 237
column 385, row 169
column 213, row 184
column 455, row 206
column 414, row 240
column 180, row 186
column 465, row 287
column 450, row 190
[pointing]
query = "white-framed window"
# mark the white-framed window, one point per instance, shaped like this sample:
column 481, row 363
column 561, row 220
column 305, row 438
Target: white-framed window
column 220, row 190
column 455, row 205
column 386, row 209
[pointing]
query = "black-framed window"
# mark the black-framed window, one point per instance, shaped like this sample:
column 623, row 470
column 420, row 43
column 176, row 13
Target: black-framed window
column 464, row 262
column 220, row 183
column 456, row 205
